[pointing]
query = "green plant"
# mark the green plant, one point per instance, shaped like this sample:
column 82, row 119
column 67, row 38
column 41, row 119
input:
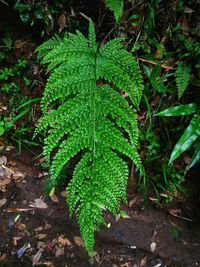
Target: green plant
column 191, row 133
column 30, row 12
column 85, row 113
column 182, row 75
column 9, row 87
column 44, row 14
column 6, row 73
column 150, row 17
column 5, row 125
column 117, row 7
column 5, row 44
column 16, row 119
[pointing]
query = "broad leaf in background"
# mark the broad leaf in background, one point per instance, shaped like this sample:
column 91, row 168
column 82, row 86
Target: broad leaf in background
column 195, row 157
column 178, row 110
column 190, row 135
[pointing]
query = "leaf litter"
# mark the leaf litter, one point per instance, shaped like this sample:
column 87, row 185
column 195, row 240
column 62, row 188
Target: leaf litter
column 8, row 173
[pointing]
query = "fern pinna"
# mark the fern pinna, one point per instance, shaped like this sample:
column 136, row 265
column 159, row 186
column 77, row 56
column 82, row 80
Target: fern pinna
column 182, row 75
column 117, row 6
column 83, row 112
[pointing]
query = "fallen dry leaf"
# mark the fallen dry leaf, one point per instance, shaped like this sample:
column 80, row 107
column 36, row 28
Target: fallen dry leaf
column 15, row 239
column 9, row 171
column 79, row 241
column 3, row 160
column 59, row 251
column 42, row 174
column 22, row 228
column 12, row 163
column 9, row 148
column 38, row 229
column 38, row 203
column 52, row 192
column 41, row 160
column 37, row 257
column 41, row 245
column 124, row 214
column 117, row 217
column 143, row 261
column 17, row 209
column 47, row 263
column 62, row 22
column 18, row 176
column 132, row 202
column 2, row 202
column 19, row 44
column 3, row 257
column 63, row 194
column 40, row 236
column 63, row 241
column 47, row 226
column 54, row 198
column 96, row 256
column 188, row 10
column 127, row 264
column 184, row 25
column 4, row 183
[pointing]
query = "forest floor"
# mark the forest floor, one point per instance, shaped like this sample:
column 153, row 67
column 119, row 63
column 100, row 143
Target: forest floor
column 36, row 230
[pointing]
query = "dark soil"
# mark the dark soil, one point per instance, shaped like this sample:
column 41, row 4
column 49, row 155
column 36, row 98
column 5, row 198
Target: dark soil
column 144, row 239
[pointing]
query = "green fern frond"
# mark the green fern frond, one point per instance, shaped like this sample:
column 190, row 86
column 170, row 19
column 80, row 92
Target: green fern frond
column 182, row 75
column 117, row 7
column 84, row 112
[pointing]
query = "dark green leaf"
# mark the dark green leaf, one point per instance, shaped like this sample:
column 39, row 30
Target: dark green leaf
column 190, row 135
column 38, row 14
column 195, row 157
column 24, row 17
column 178, row 110
column 1, row 130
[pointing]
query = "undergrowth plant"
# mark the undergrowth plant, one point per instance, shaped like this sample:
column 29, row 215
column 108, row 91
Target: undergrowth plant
column 191, row 133
column 84, row 112
column 117, row 7
column 182, row 75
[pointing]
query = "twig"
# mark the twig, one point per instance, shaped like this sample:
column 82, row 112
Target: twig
column 164, row 66
column 84, row 16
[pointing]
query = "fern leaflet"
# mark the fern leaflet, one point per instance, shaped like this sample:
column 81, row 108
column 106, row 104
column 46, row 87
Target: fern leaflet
column 182, row 75
column 117, row 7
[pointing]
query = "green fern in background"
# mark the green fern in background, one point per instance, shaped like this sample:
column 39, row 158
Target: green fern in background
column 83, row 112
column 117, row 7
column 182, row 75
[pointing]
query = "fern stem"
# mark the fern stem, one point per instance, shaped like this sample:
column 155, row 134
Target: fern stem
column 94, row 109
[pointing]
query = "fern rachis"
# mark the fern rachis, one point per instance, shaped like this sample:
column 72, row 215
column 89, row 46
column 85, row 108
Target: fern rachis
column 84, row 116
